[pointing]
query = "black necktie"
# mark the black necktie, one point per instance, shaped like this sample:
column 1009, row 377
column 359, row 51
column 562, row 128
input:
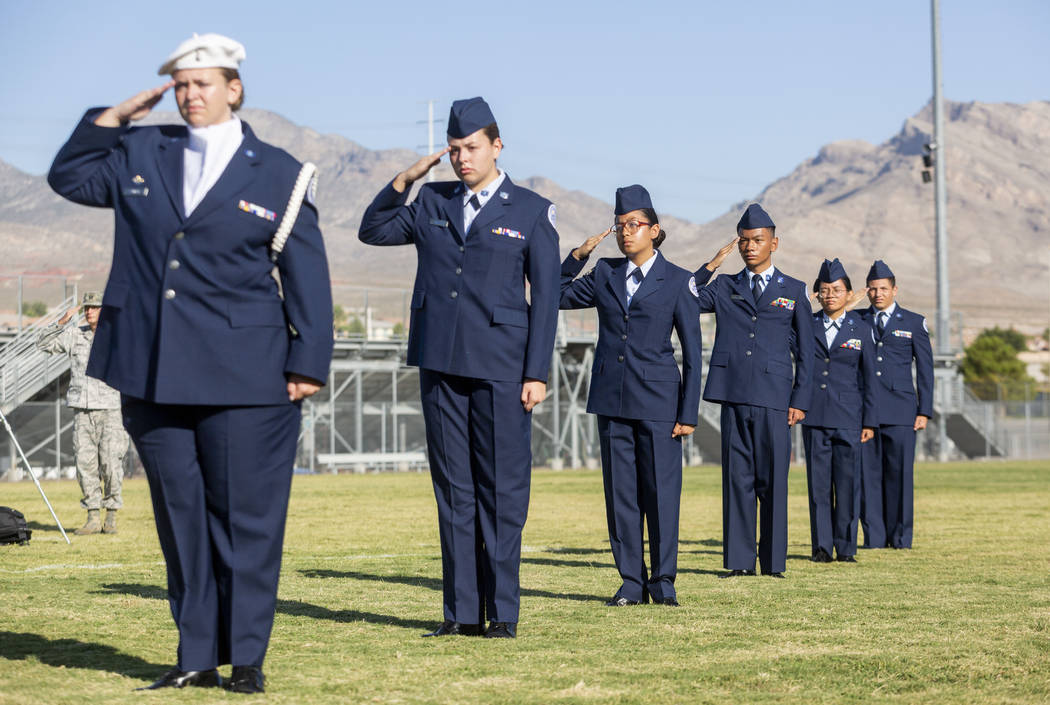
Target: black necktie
column 475, row 202
column 637, row 275
column 756, row 287
column 881, row 325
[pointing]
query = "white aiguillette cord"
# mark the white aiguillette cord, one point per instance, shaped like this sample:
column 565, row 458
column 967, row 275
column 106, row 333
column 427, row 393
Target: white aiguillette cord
column 307, row 175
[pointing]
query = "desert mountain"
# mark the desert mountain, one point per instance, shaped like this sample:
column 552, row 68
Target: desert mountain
column 852, row 200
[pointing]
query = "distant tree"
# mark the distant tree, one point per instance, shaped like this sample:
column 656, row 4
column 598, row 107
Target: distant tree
column 338, row 315
column 1016, row 340
column 398, row 330
column 34, row 308
column 355, row 327
column 991, row 366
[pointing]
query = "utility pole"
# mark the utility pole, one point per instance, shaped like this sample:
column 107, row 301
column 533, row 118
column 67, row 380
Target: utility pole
column 430, row 133
column 938, row 152
column 944, row 346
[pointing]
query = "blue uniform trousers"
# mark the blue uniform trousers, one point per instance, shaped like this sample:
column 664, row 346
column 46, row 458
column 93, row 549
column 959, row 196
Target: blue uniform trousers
column 642, row 473
column 219, row 480
column 833, row 467
column 479, row 445
column 887, row 491
column 756, row 451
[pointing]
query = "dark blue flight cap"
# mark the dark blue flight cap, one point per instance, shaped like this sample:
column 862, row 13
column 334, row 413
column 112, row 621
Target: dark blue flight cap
column 879, row 270
column 831, row 271
column 754, row 217
column 467, row 116
column 632, row 198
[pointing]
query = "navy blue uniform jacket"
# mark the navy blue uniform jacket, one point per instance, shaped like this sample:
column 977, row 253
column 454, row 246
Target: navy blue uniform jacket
column 635, row 375
column 751, row 359
column 904, row 339
column 191, row 313
column 843, row 376
column 470, row 316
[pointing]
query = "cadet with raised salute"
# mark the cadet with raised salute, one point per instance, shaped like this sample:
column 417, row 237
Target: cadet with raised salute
column 644, row 406
column 888, row 484
column 763, row 319
column 483, row 351
column 211, row 364
column 840, row 417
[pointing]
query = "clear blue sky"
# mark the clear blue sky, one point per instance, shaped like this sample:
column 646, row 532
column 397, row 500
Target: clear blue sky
column 703, row 102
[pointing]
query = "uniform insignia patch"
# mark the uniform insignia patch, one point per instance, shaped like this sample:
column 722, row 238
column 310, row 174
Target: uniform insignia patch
column 851, row 344
column 138, row 179
column 782, row 302
column 902, row 333
column 924, row 327
column 508, row 232
column 257, row 210
column 552, row 216
column 692, row 287
column 311, row 192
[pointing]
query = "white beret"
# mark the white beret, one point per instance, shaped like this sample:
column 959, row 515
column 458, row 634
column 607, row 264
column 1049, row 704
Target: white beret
column 204, row 52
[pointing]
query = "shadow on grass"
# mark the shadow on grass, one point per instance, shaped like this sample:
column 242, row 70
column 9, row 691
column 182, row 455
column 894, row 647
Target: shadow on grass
column 37, row 526
column 701, row 542
column 561, row 562
column 72, row 653
column 294, row 608
column 435, row 583
column 578, row 551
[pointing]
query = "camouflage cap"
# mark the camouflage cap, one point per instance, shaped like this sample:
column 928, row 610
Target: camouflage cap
column 92, row 298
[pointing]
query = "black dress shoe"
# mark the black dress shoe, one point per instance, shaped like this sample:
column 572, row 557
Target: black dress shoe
column 846, row 559
column 736, row 573
column 775, row 575
column 821, row 556
column 621, row 601
column 246, row 679
column 450, row 628
column 178, row 678
column 669, row 601
column 502, row 630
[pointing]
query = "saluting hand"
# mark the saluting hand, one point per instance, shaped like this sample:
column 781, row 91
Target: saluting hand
column 589, row 244
column 795, row 415
column 682, row 429
column 67, row 316
column 418, row 170
column 855, row 298
column 300, row 387
column 134, row 108
column 532, row 393
column 718, row 259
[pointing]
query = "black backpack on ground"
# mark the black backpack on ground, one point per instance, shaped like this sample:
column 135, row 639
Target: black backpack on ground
column 13, row 527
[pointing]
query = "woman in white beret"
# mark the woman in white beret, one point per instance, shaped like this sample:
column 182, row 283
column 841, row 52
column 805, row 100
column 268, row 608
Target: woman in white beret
column 211, row 363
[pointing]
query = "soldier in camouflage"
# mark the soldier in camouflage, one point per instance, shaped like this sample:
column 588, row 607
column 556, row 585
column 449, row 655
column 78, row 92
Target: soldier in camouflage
column 99, row 438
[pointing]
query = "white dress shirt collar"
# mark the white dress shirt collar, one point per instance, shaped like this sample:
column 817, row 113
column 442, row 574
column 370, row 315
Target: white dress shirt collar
column 208, row 152
column 469, row 211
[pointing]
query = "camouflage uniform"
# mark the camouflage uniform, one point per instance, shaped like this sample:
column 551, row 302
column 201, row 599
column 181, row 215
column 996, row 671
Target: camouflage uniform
column 99, row 438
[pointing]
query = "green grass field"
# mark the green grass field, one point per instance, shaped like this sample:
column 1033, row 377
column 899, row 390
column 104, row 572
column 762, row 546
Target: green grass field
column 964, row 617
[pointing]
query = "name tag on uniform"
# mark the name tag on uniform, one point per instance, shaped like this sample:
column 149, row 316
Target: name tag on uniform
column 781, row 302
column 851, row 344
column 257, row 210
column 136, row 191
column 439, row 222
column 508, row 232
column 902, row 333
column 736, row 297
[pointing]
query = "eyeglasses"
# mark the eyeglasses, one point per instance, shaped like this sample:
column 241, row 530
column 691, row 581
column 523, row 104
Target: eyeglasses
column 831, row 292
column 630, row 227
